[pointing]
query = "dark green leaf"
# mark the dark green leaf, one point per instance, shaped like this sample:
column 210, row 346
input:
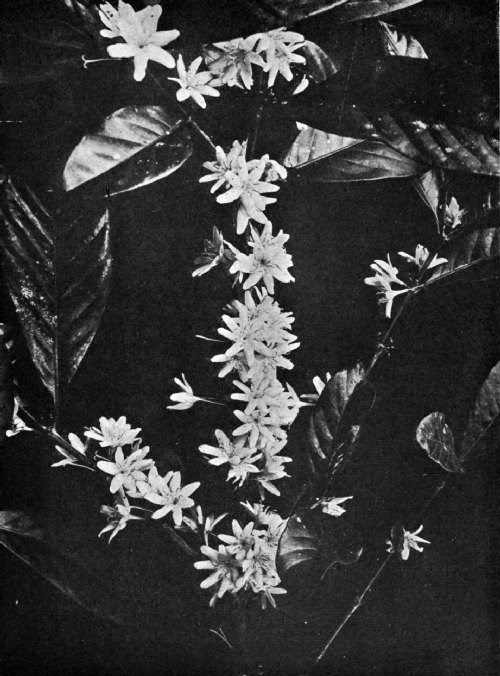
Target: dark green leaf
column 164, row 144
column 436, row 438
column 319, row 65
column 57, row 271
column 483, row 430
column 427, row 186
column 285, row 12
column 314, row 537
column 344, row 159
column 477, row 250
column 355, row 10
column 6, row 398
column 413, row 107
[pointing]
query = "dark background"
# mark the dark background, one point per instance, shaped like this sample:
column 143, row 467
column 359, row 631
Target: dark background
column 433, row 615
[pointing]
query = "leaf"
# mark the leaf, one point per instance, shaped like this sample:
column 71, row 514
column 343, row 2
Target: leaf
column 319, row 65
column 6, row 398
column 285, row 12
column 27, row 541
column 476, row 249
column 401, row 44
column 436, row 438
column 356, row 10
column 413, row 107
column 483, row 429
column 163, row 141
column 315, row 537
column 57, row 271
column 346, row 159
column 427, row 186
column 335, row 425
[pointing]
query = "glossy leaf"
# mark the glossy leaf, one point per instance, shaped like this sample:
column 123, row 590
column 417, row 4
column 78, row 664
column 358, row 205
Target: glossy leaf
column 313, row 537
column 6, row 396
column 135, row 146
column 57, row 271
column 413, row 107
column 400, row 44
column 285, row 12
column 427, row 186
column 473, row 251
column 344, row 159
column 483, row 430
column 436, row 438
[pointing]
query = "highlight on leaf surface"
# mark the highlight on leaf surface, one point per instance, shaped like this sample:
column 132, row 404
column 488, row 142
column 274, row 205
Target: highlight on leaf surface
column 319, row 539
column 163, row 141
column 483, row 430
column 436, row 438
column 57, row 271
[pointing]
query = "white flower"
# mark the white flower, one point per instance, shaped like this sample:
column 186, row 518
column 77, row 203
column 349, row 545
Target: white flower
column 213, row 254
column 385, row 275
column 279, row 46
column 236, row 453
column 79, row 447
column 267, row 262
column 171, row 496
column 453, row 214
column 223, row 165
column 231, row 61
column 138, row 29
column 303, row 84
column 241, row 541
column 262, row 515
column 331, row 506
column 405, row 541
column 193, row 84
column 421, row 256
column 113, row 432
column 319, row 385
column 17, row 424
column 261, row 427
column 225, row 572
column 185, row 397
column 118, row 517
column 247, row 187
column 126, row 471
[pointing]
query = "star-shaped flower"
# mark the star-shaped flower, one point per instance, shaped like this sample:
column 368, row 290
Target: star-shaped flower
column 331, row 506
column 279, row 46
column 421, row 256
column 193, row 85
column 453, row 214
column 171, row 496
column 185, row 398
column 385, row 275
column 118, row 517
column 126, row 471
column 142, row 41
column 113, row 432
column 236, row 453
column 267, row 262
column 213, row 254
column 402, row 541
column 69, row 459
column 231, row 61
column 225, row 572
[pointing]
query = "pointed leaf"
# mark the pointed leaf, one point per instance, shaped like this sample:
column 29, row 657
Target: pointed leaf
column 313, row 537
column 356, row 10
column 475, row 250
column 427, row 186
column 57, row 271
column 285, row 12
column 483, row 429
column 161, row 139
column 412, row 106
column 436, row 438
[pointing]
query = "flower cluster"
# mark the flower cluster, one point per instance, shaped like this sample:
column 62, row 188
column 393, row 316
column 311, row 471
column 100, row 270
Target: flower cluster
column 275, row 52
column 131, row 473
column 385, row 276
column 247, row 559
column 244, row 181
